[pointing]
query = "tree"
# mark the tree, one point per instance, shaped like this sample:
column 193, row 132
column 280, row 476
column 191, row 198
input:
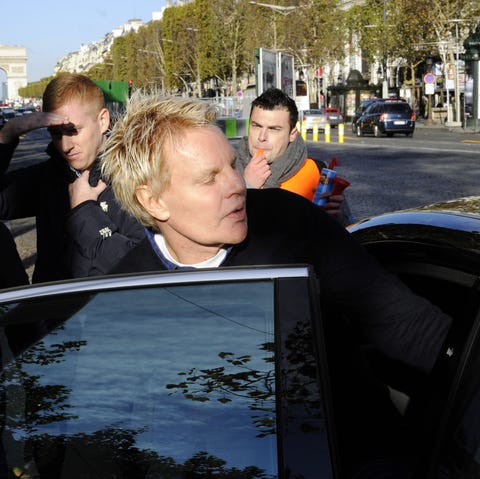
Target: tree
column 236, row 378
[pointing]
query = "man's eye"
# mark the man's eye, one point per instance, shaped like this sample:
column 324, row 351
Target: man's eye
column 58, row 132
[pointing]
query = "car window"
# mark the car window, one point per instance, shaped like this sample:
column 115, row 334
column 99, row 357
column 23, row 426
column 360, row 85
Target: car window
column 397, row 108
column 172, row 379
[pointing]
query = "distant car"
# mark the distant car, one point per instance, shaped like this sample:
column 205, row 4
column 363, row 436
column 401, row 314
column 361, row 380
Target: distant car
column 321, row 117
column 25, row 110
column 6, row 114
column 387, row 117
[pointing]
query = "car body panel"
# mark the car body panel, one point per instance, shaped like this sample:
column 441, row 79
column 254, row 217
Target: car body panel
column 360, row 110
column 435, row 250
column 454, row 224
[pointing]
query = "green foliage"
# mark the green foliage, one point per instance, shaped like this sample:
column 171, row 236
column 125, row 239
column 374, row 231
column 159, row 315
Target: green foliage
column 212, row 43
column 34, row 89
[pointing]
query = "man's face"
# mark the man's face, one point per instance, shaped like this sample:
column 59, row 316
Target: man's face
column 203, row 208
column 80, row 141
column 270, row 131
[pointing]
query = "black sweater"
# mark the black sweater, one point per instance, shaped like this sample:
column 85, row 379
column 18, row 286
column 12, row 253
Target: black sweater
column 284, row 228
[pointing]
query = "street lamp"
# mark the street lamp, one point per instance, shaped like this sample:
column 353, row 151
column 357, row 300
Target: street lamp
column 159, row 57
column 196, row 67
column 384, row 65
column 283, row 10
column 278, row 8
column 455, row 72
column 384, row 59
column 429, row 66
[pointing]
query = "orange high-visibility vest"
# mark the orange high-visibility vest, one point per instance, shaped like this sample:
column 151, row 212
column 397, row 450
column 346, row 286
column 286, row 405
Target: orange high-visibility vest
column 305, row 181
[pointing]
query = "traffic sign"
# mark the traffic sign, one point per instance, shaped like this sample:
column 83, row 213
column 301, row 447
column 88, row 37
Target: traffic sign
column 429, row 78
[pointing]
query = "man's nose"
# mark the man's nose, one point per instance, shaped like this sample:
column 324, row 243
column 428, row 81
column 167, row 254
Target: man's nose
column 66, row 142
column 236, row 182
column 263, row 134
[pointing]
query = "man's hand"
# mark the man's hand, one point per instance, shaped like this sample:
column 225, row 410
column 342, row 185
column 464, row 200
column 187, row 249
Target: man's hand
column 334, row 203
column 257, row 171
column 20, row 125
column 81, row 191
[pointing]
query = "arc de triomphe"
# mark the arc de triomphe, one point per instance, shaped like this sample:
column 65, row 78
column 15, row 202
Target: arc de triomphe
column 13, row 61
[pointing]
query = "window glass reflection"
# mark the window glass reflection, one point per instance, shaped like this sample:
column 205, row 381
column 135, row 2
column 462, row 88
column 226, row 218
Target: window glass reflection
column 177, row 379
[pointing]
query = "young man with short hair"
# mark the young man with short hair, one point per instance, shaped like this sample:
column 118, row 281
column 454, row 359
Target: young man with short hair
column 274, row 155
column 81, row 230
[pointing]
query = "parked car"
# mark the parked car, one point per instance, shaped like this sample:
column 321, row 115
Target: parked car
column 321, row 117
column 25, row 110
column 360, row 110
column 387, row 117
column 7, row 114
column 225, row 371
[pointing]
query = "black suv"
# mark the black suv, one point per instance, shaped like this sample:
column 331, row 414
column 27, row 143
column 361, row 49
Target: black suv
column 360, row 110
column 387, row 116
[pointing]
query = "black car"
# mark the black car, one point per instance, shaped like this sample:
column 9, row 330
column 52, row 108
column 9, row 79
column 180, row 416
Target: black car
column 386, row 117
column 224, row 373
column 360, row 110
column 6, row 114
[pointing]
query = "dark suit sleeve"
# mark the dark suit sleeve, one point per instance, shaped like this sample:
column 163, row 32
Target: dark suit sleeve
column 99, row 239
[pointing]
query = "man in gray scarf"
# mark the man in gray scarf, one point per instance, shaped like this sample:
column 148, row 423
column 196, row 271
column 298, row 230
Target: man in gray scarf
column 274, row 155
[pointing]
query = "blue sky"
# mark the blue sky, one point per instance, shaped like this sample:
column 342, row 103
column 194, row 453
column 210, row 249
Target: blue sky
column 49, row 29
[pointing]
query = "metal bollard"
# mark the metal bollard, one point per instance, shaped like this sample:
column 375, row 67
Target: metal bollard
column 341, row 132
column 327, row 132
column 315, row 132
column 303, row 132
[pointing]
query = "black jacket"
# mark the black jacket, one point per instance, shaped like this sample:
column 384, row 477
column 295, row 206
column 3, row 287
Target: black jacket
column 85, row 241
column 284, row 228
column 12, row 272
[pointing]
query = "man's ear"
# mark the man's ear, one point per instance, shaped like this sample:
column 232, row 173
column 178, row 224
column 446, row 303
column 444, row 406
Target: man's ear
column 153, row 204
column 293, row 134
column 104, row 118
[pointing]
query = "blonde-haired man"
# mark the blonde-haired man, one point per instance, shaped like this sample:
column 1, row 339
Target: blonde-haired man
column 175, row 170
column 81, row 230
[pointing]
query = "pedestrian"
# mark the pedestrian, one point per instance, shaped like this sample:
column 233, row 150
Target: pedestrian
column 81, row 230
column 12, row 272
column 274, row 155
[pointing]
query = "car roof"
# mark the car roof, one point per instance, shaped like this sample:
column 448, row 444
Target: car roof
column 113, row 282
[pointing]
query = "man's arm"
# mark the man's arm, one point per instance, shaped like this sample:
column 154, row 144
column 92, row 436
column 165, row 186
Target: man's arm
column 20, row 125
column 100, row 231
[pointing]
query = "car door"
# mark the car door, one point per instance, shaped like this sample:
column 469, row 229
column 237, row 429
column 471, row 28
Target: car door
column 437, row 255
column 367, row 120
column 211, row 373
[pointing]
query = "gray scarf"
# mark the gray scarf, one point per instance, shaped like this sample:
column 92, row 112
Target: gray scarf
column 283, row 168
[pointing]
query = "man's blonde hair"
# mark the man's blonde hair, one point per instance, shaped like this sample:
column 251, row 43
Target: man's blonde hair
column 134, row 153
column 72, row 86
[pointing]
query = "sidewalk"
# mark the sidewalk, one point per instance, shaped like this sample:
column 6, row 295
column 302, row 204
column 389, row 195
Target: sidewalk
column 422, row 123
